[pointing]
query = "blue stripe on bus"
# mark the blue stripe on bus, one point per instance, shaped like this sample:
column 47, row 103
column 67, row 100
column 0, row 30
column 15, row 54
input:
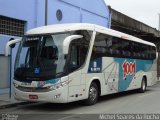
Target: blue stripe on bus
column 42, row 83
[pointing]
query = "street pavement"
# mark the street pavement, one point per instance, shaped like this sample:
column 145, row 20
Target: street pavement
column 131, row 103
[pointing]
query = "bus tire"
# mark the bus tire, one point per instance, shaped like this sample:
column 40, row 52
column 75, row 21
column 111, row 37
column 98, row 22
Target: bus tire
column 92, row 94
column 143, row 85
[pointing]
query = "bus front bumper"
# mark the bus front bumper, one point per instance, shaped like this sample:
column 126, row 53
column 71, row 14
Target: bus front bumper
column 55, row 96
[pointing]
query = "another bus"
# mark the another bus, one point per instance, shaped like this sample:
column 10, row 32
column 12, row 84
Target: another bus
column 70, row 62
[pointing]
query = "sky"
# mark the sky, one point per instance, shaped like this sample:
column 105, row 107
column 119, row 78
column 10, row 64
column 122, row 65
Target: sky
column 145, row 11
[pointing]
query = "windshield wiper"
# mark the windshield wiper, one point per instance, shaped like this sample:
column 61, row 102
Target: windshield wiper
column 59, row 74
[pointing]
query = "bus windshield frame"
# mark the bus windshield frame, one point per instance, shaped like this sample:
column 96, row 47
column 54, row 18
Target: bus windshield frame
column 40, row 57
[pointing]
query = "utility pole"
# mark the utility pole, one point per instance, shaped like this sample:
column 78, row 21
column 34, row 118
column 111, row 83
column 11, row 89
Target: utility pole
column 159, row 22
column 46, row 12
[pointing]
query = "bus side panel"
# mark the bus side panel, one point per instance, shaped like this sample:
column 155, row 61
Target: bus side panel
column 110, row 72
column 131, row 72
column 95, row 72
column 76, row 89
column 121, row 74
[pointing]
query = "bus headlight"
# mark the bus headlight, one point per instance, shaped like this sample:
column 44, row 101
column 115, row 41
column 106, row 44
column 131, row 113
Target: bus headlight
column 59, row 85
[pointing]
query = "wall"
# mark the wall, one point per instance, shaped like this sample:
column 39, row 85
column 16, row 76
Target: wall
column 33, row 11
column 79, row 11
column 3, row 40
column 20, row 9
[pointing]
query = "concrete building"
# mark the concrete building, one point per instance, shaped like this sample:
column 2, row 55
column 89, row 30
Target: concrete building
column 18, row 16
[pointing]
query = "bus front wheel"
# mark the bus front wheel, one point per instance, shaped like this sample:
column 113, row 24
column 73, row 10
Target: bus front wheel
column 92, row 94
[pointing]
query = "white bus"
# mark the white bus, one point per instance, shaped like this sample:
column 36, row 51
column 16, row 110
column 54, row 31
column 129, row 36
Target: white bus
column 70, row 62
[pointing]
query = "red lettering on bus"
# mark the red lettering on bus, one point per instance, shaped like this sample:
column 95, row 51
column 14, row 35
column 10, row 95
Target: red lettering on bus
column 129, row 68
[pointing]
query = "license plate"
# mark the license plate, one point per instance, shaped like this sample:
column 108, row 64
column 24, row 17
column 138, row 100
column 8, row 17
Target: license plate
column 33, row 97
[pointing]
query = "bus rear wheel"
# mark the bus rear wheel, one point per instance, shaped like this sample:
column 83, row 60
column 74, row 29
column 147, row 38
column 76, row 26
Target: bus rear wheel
column 143, row 85
column 92, row 95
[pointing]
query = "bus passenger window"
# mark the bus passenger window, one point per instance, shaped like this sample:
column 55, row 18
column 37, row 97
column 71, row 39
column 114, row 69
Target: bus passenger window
column 78, row 52
column 124, row 53
column 111, row 51
column 74, row 61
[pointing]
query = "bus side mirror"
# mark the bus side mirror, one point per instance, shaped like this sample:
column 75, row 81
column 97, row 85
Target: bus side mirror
column 12, row 45
column 9, row 45
column 67, row 42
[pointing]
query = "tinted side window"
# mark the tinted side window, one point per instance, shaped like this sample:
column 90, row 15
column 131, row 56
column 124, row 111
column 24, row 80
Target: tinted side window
column 143, row 51
column 108, row 46
column 78, row 50
column 100, row 46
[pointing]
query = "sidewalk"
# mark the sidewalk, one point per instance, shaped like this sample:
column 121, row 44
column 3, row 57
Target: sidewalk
column 6, row 102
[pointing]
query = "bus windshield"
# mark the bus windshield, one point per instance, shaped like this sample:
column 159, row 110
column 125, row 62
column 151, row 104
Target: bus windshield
column 40, row 57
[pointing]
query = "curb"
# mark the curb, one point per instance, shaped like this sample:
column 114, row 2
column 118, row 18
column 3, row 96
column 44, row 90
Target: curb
column 13, row 104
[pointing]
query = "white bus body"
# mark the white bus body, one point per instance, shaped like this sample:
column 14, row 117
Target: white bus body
column 88, row 61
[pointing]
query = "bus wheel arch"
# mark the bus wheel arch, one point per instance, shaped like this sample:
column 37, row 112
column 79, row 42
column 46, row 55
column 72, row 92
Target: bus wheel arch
column 94, row 90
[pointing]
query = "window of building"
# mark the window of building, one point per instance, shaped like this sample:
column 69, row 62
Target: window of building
column 10, row 26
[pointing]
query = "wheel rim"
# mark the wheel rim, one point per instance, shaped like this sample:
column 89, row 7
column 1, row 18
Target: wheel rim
column 93, row 93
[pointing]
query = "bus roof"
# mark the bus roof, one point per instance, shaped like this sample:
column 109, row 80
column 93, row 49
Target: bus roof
column 57, row 28
column 61, row 28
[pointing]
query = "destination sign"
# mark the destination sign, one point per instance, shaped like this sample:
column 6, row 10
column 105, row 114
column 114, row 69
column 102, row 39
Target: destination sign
column 32, row 38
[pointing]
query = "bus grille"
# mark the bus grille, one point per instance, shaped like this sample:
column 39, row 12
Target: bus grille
column 33, row 89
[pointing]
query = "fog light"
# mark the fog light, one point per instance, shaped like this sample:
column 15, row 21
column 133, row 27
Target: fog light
column 57, row 96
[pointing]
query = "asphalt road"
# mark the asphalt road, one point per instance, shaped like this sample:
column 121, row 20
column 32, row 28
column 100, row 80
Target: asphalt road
column 131, row 103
